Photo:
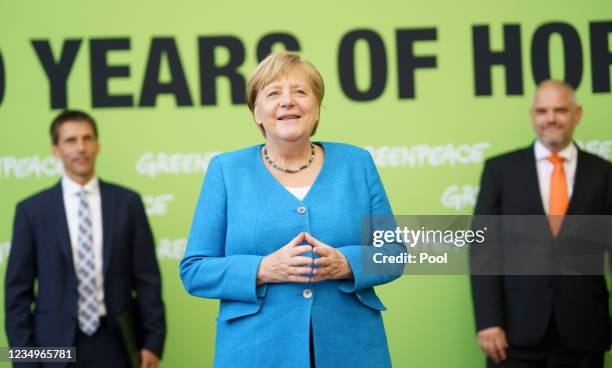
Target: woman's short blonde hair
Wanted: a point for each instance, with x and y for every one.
(275, 66)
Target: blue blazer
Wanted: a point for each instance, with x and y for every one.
(41, 250)
(244, 214)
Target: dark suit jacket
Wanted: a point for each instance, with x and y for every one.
(527, 283)
(41, 250)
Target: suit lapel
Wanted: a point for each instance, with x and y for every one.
(532, 183)
(108, 215)
(533, 193)
(63, 234)
(579, 183)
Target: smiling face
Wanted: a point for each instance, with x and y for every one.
(77, 147)
(287, 108)
(554, 115)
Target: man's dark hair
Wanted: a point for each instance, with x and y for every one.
(70, 115)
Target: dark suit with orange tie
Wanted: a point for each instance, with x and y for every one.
(542, 307)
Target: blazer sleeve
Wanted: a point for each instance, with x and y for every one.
(19, 282)
(485, 259)
(206, 271)
(366, 273)
(147, 281)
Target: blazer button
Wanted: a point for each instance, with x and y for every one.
(301, 210)
(307, 293)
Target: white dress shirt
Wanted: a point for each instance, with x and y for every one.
(545, 169)
(298, 192)
(71, 189)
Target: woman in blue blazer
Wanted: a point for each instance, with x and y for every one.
(277, 237)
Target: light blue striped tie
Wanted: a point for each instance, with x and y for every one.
(89, 320)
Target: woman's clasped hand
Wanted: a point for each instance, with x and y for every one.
(291, 263)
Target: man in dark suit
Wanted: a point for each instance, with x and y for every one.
(528, 311)
(89, 246)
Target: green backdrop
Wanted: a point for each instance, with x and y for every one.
(429, 148)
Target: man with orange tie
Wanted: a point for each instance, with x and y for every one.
(539, 316)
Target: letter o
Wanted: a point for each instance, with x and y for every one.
(378, 65)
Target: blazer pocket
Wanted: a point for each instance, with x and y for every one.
(369, 298)
(511, 283)
(231, 309)
(600, 290)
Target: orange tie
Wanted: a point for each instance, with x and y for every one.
(559, 197)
